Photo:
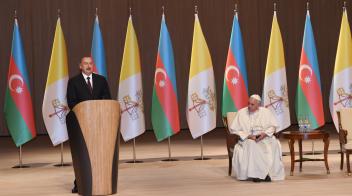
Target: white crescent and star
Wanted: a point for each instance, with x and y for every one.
(234, 80)
(307, 79)
(18, 89)
(162, 81)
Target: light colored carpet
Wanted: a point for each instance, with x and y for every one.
(154, 177)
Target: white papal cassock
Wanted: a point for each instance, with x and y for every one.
(253, 159)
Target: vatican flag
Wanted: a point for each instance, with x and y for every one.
(341, 86)
(275, 95)
(201, 99)
(54, 107)
(130, 93)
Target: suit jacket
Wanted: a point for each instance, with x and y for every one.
(78, 90)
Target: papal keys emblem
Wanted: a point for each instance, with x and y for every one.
(344, 98)
(199, 103)
(276, 101)
(132, 106)
(60, 110)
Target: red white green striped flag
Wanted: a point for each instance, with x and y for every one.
(309, 100)
(18, 102)
(235, 90)
(165, 115)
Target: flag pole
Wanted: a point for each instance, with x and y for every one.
(201, 147)
(201, 137)
(20, 164)
(134, 150)
(62, 153)
(62, 164)
(134, 153)
(201, 150)
(169, 147)
(307, 5)
(20, 157)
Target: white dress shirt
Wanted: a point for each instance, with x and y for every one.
(90, 78)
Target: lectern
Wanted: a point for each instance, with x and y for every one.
(94, 141)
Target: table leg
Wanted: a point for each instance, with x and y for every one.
(326, 148)
(291, 143)
(300, 155)
(348, 163)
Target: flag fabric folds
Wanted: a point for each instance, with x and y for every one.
(275, 95)
(235, 88)
(201, 99)
(130, 94)
(18, 107)
(341, 86)
(165, 114)
(54, 108)
(309, 100)
(97, 50)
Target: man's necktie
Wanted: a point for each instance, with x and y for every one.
(89, 85)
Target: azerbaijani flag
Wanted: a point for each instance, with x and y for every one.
(55, 107)
(340, 91)
(18, 108)
(130, 93)
(235, 90)
(165, 115)
(201, 99)
(275, 95)
(309, 100)
(98, 51)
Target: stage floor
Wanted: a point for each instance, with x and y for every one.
(155, 177)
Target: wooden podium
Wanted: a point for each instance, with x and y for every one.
(94, 140)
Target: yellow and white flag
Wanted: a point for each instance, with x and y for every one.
(201, 99)
(130, 93)
(341, 86)
(54, 107)
(275, 95)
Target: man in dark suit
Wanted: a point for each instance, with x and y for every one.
(86, 86)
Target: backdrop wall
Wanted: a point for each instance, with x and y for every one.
(37, 20)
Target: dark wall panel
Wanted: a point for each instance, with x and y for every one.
(37, 19)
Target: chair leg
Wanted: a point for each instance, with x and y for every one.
(348, 163)
(230, 166)
(342, 161)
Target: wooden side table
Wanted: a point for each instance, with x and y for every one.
(297, 135)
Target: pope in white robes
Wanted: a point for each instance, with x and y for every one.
(257, 155)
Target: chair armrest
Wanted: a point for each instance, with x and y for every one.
(343, 136)
(277, 134)
(224, 121)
